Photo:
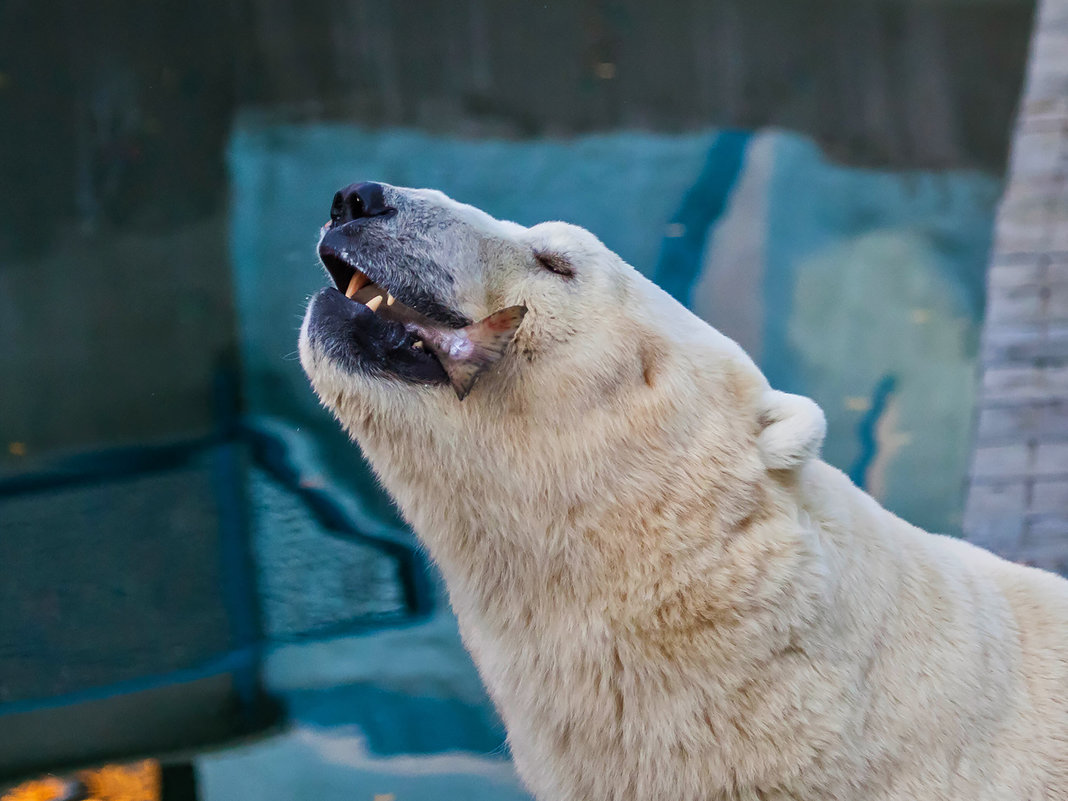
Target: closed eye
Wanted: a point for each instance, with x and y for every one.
(554, 262)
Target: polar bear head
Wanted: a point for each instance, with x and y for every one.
(603, 368)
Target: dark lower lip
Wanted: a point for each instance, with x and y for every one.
(360, 340)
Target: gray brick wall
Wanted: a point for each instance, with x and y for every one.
(1017, 502)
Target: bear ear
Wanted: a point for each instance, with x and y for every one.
(792, 430)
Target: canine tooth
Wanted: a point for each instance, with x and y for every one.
(374, 303)
(356, 283)
(390, 300)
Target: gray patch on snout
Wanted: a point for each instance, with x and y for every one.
(409, 266)
(429, 256)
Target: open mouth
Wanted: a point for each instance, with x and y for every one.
(371, 329)
(363, 324)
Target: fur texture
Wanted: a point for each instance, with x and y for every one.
(665, 591)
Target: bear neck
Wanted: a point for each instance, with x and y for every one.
(595, 561)
(617, 511)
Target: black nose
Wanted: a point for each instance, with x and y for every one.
(358, 200)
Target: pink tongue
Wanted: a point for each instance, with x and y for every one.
(478, 347)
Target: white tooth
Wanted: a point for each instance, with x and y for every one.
(390, 300)
(374, 303)
(356, 283)
(418, 345)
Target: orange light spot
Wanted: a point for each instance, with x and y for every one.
(47, 789)
(141, 781)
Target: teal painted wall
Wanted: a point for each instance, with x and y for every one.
(832, 277)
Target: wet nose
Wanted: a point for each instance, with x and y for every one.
(358, 200)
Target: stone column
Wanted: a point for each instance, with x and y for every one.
(1017, 502)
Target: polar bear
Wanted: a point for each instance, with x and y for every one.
(666, 592)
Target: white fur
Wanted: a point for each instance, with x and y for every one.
(795, 430)
(668, 595)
